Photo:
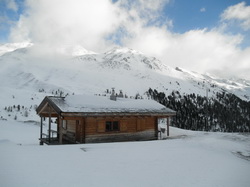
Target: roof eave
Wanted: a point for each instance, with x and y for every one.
(100, 114)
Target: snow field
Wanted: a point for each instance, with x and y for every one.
(187, 158)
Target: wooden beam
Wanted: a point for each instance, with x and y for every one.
(41, 132)
(84, 130)
(114, 114)
(49, 124)
(72, 117)
(53, 115)
(41, 110)
(168, 126)
(60, 122)
(57, 127)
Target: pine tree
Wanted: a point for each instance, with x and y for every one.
(26, 113)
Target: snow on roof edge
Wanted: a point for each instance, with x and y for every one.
(102, 104)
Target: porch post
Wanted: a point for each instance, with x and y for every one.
(156, 128)
(60, 130)
(84, 130)
(49, 124)
(41, 131)
(168, 126)
(57, 127)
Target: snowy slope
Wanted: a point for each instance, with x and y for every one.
(9, 47)
(115, 68)
(32, 72)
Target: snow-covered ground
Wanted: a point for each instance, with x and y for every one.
(187, 158)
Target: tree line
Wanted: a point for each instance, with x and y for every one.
(225, 112)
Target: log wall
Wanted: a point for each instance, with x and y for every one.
(93, 129)
(130, 129)
(71, 126)
(120, 137)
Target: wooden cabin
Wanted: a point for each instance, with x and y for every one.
(95, 119)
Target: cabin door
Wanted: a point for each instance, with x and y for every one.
(78, 131)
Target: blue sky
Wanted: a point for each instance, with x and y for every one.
(8, 17)
(210, 35)
(198, 14)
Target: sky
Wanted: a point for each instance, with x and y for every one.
(199, 35)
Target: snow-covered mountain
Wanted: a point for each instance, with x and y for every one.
(29, 73)
(9, 47)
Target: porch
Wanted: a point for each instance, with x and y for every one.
(53, 139)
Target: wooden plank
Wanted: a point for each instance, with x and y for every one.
(101, 127)
(54, 115)
(132, 124)
(72, 118)
(156, 126)
(41, 131)
(71, 125)
(149, 123)
(90, 125)
(49, 123)
(118, 137)
(168, 126)
(42, 108)
(140, 124)
(115, 114)
(84, 129)
(70, 137)
(123, 125)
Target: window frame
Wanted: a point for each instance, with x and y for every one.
(112, 126)
(64, 124)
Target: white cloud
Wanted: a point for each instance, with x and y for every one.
(100, 25)
(11, 4)
(240, 12)
(88, 22)
(20, 32)
(67, 22)
(198, 50)
(203, 9)
(147, 12)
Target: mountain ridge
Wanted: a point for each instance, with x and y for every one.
(27, 75)
(117, 61)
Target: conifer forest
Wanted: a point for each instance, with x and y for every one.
(224, 112)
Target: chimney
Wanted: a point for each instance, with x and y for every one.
(113, 96)
(120, 94)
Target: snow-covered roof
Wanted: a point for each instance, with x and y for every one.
(101, 104)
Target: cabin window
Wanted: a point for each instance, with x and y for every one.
(112, 126)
